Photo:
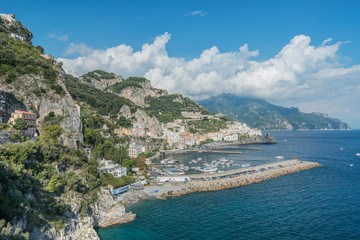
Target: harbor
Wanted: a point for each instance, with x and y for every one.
(177, 185)
(232, 178)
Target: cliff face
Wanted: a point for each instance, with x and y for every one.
(21, 96)
(137, 95)
(108, 212)
(103, 213)
(100, 79)
(151, 123)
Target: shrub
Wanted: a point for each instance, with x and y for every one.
(4, 126)
(54, 131)
(11, 77)
(20, 124)
(50, 116)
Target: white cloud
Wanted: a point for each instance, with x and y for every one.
(63, 38)
(80, 48)
(299, 73)
(196, 13)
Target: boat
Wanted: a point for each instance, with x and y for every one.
(245, 165)
(279, 157)
(351, 165)
(358, 154)
(223, 160)
(209, 169)
(341, 149)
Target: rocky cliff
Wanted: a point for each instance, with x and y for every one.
(34, 82)
(100, 79)
(104, 212)
(22, 95)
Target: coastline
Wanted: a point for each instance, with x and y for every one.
(268, 139)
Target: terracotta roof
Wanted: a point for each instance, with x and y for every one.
(25, 112)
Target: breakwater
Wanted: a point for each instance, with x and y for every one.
(240, 177)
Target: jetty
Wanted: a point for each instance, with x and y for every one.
(230, 179)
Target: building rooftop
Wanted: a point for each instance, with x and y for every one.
(21, 111)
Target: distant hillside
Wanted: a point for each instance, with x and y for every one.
(137, 91)
(261, 114)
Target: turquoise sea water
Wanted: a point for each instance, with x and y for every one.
(320, 203)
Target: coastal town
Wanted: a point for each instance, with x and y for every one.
(77, 150)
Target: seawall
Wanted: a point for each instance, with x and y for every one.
(263, 173)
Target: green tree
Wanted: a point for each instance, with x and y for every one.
(20, 124)
(52, 186)
(54, 131)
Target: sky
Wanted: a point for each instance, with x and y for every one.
(291, 53)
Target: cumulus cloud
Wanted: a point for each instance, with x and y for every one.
(196, 13)
(300, 72)
(63, 38)
(80, 48)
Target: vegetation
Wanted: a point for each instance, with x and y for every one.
(122, 181)
(20, 124)
(103, 102)
(129, 82)
(18, 58)
(4, 126)
(98, 75)
(205, 126)
(167, 108)
(32, 174)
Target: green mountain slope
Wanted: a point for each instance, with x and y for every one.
(261, 114)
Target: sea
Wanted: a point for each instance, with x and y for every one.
(319, 203)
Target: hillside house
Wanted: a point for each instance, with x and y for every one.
(30, 119)
(108, 166)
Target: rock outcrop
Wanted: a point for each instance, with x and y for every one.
(105, 212)
(133, 197)
(99, 82)
(108, 212)
(137, 95)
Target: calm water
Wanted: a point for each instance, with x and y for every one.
(320, 203)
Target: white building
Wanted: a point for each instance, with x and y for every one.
(108, 166)
(231, 138)
(173, 179)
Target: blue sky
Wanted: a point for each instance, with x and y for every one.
(84, 33)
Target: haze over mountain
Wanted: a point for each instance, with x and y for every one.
(261, 114)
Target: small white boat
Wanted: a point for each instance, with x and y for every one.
(245, 165)
(209, 169)
(358, 154)
(351, 165)
(341, 149)
(279, 157)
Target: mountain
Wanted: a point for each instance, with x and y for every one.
(261, 114)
